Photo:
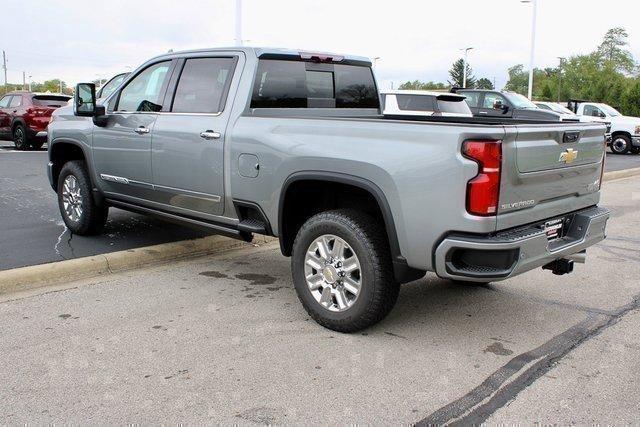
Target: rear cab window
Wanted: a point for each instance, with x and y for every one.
(416, 102)
(453, 105)
(284, 83)
(50, 100)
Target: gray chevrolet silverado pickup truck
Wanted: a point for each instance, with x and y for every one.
(294, 145)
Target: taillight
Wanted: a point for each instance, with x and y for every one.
(483, 190)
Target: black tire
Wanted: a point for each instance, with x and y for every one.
(635, 150)
(37, 145)
(20, 138)
(620, 144)
(92, 218)
(368, 239)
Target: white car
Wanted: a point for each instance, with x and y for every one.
(625, 130)
(424, 103)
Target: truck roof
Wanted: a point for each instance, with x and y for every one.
(271, 52)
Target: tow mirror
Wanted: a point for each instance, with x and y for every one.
(84, 100)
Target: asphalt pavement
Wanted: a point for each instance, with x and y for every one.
(223, 339)
(32, 231)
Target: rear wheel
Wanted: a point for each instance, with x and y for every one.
(20, 139)
(620, 144)
(37, 145)
(342, 270)
(635, 150)
(75, 199)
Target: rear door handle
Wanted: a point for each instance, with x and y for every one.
(209, 134)
(483, 112)
(141, 130)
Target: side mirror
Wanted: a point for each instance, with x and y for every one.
(84, 100)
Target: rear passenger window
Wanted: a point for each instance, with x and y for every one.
(4, 102)
(203, 85)
(290, 84)
(16, 101)
(473, 99)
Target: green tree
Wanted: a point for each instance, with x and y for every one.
(418, 85)
(457, 74)
(484, 83)
(613, 50)
(630, 104)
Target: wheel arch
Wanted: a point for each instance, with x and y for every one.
(62, 151)
(403, 273)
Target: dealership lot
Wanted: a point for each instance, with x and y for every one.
(223, 339)
(32, 231)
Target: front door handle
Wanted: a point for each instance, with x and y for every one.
(209, 134)
(141, 130)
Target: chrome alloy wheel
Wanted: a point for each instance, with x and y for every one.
(333, 273)
(72, 198)
(619, 145)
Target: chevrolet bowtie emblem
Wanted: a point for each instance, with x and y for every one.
(568, 156)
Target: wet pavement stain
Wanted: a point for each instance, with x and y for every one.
(214, 273)
(64, 316)
(159, 327)
(498, 349)
(257, 279)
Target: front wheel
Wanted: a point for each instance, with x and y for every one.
(342, 270)
(620, 144)
(78, 208)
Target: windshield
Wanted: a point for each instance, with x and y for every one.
(609, 110)
(519, 101)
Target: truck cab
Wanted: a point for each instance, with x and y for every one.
(505, 104)
(624, 130)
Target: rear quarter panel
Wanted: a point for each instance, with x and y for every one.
(418, 166)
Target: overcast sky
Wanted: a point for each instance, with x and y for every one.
(81, 40)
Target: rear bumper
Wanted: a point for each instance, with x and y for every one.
(507, 254)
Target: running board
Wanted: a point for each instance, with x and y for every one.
(252, 226)
(220, 228)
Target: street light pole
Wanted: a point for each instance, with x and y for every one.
(464, 67)
(534, 13)
(238, 22)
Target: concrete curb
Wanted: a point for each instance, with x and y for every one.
(55, 273)
(625, 173)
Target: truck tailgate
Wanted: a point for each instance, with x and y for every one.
(549, 170)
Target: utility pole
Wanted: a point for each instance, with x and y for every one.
(24, 80)
(4, 67)
(238, 22)
(464, 67)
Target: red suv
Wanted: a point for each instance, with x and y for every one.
(24, 117)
